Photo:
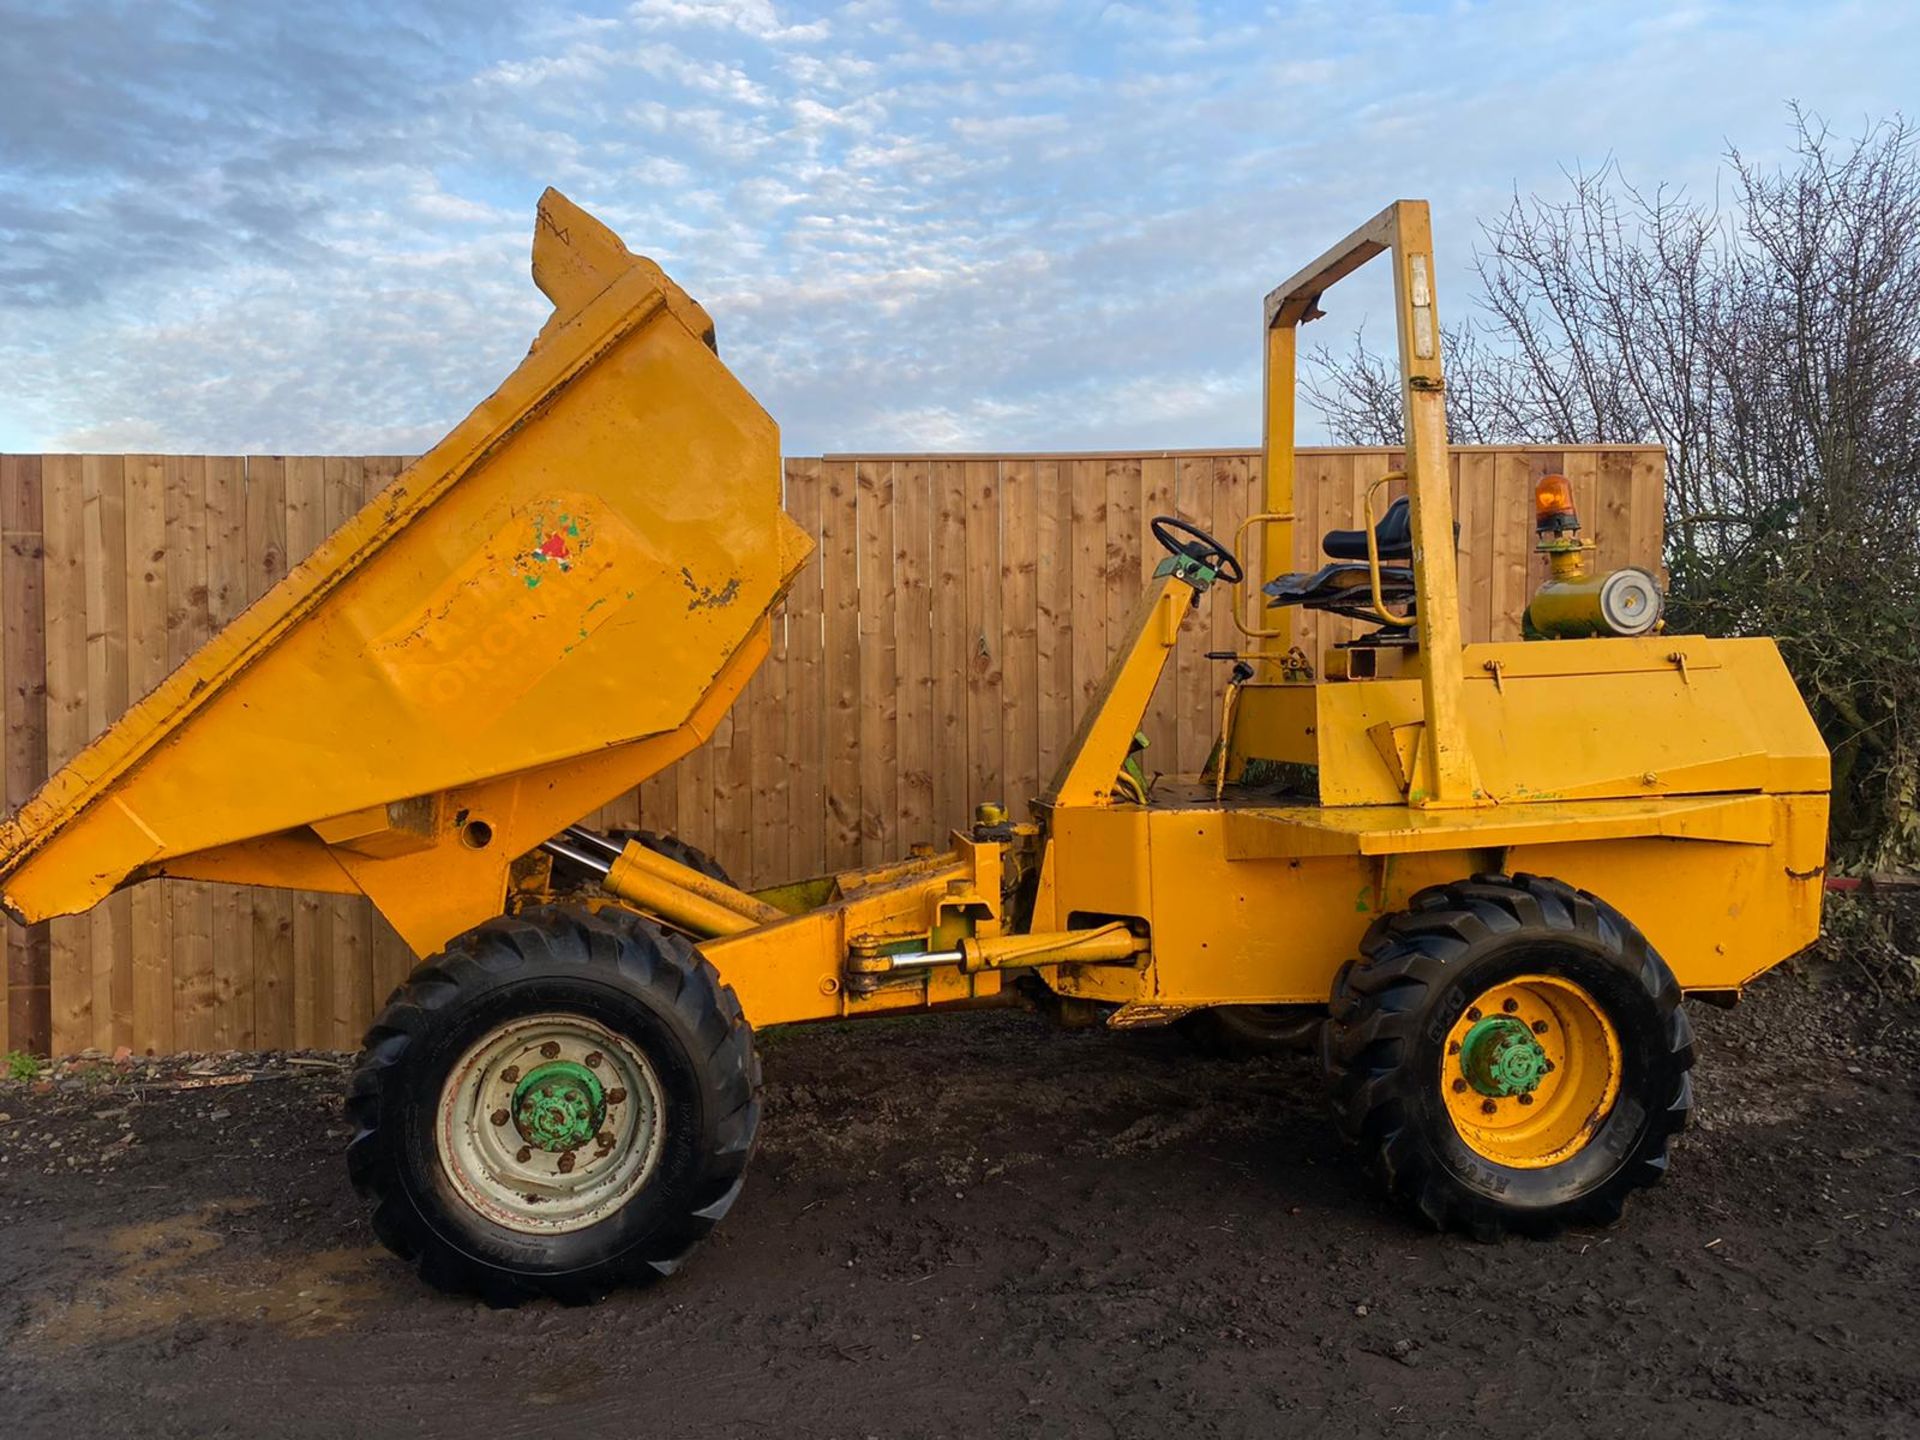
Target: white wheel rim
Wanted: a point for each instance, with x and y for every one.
(514, 1116)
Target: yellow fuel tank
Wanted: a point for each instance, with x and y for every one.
(555, 602)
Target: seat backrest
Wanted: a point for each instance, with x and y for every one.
(1393, 535)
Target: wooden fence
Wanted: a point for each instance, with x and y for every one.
(934, 655)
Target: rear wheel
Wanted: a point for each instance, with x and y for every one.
(561, 1102)
(1510, 1054)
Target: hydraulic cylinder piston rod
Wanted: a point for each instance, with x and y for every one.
(697, 903)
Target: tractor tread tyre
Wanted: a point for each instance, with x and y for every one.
(648, 983)
(1418, 969)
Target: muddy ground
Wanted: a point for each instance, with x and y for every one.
(981, 1226)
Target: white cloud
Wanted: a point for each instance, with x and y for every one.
(757, 18)
(970, 223)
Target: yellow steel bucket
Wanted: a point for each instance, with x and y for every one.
(554, 603)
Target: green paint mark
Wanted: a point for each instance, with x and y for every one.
(533, 582)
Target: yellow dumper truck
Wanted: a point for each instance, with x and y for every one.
(1477, 878)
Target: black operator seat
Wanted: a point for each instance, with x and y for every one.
(1345, 587)
(1393, 535)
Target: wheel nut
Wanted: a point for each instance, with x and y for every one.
(500, 1117)
(509, 1075)
(593, 1060)
(524, 1154)
(1526, 1099)
(1487, 1107)
(1459, 1086)
(1453, 1047)
(550, 1049)
(566, 1163)
(1539, 1027)
(616, 1096)
(1509, 1005)
(1546, 1067)
(1473, 1012)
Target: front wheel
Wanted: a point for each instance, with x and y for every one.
(1510, 1054)
(561, 1102)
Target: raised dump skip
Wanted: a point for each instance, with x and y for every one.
(554, 603)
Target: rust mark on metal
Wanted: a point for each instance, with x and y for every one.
(705, 597)
(553, 227)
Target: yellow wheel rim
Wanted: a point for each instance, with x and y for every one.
(1530, 1071)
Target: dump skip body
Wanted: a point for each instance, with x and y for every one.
(554, 603)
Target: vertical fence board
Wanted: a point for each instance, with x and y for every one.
(65, 608)
(1053, 616)
(1087, 493)
(806, 678)
(879, 680)
(771, 770)
(1512, 539)
(23, 664)
(950, 760)
(1120, 563)
(840, 561)
(983, 765)
(104, 501)
(913, 641)
(1647, 487)
(693, 782)
(1019, 646)
(1598, 519)
(732, 826)
(1475, 516)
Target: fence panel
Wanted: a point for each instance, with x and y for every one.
(935, 653)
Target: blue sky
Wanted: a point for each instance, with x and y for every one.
(962, 224)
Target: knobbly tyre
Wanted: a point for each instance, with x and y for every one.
(1478, 878)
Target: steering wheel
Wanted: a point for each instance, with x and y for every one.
(1198, 546)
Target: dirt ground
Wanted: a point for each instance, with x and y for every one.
(980, 1225)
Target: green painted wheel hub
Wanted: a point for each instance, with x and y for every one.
(1500, 1057)
(559, 1106)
